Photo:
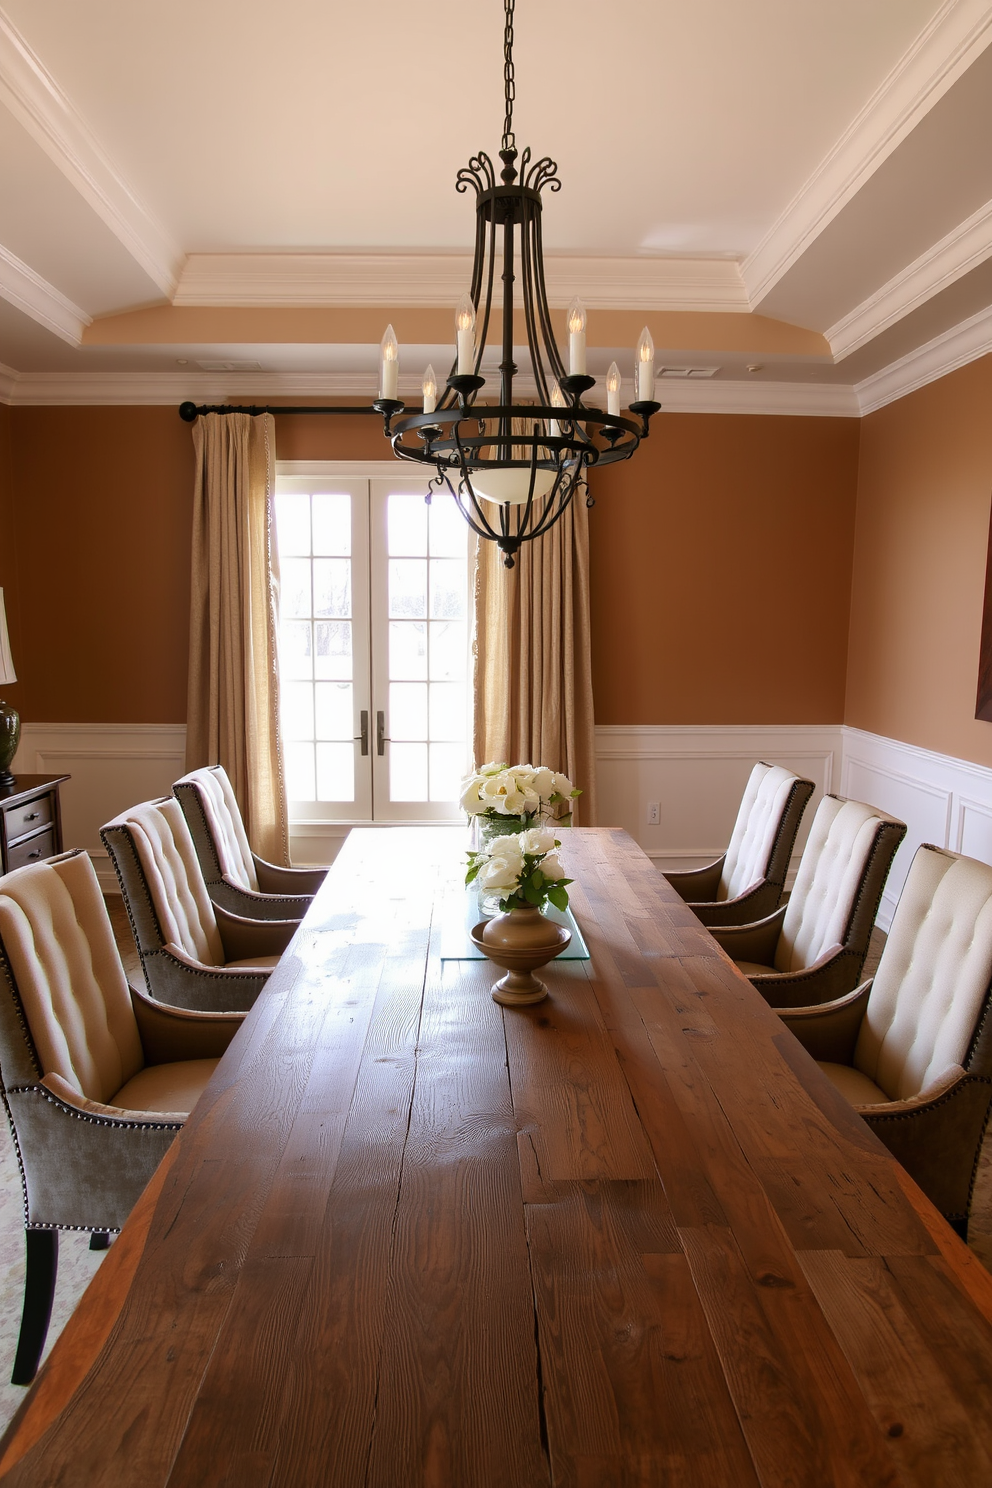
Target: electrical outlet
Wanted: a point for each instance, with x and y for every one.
(654, 814)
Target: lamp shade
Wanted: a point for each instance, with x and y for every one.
(7, 673)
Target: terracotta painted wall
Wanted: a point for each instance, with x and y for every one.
(721, 564)
(721, 567)
(101, 534)
(8, 565)
(919, 570)
(95, 519)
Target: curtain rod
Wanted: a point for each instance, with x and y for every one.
(189, 411)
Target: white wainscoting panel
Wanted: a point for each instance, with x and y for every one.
(697, 776)
(942, 800)
(112, 765)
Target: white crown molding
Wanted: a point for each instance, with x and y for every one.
(962, 250)
(433, 280)
(796, 399)
(8, 381)
(23, 288)
(35, 99)
(800, 399)
(945, 353)
(944, 49)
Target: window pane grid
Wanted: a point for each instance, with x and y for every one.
(427, 601)
(315, 644)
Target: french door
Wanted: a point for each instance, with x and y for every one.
(373, 645)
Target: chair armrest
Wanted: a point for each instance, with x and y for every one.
(177, 980)
(86, 1167)
(243, 937)
(65, 1095)
(831, 976)
(937, 1137)
(699, 884)
(169, 1034)
(830, 1030)
(275, 880)
(754, 942)
(755, 904)
(250, 904)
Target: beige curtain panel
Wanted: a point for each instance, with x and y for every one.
(533, 668)
(233, 709)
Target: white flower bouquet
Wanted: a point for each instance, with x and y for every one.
(524, 870)
(515, 796)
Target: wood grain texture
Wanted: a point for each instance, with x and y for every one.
(628, 1236)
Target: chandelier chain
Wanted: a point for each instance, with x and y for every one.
(509, 81)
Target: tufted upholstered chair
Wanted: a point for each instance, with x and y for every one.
(747, 882)
(235, 877)
(812, 949)
(194, 954)
(912, 1049)
(96, 1079)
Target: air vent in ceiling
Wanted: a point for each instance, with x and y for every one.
(230, 366)
(687, 371)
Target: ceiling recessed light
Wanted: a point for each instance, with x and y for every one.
(182, 362)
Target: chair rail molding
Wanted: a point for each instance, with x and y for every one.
(696, 775)
(112, 765)
(941, 799)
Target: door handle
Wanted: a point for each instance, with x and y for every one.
(364, 727)
(380, 733)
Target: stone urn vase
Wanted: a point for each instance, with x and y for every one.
(520, 941)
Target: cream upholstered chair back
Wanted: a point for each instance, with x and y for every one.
(60, 945)
(933, 978)
(841, 840)
(227, 829)
(178, 893)
(758, 823)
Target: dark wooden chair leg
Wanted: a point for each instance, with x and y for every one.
(99, 1240)
(39, 1289)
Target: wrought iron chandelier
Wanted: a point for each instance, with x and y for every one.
(513, 468)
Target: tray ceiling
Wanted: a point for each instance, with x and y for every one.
(826, 167)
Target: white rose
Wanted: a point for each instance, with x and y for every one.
(500, 793)
(537, 840)
(469, 799)
(544, 783)
(563, 786)
(491, 769)
(506, 847)
(551, 867)
(499, 873)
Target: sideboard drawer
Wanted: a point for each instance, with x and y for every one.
(31, 850)
(27, 817)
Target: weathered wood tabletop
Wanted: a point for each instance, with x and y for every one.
(628, 1236)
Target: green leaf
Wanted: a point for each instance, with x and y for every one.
(532, 895)
(557, 895)
(472, 873)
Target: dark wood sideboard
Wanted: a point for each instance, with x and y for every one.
(30, 820)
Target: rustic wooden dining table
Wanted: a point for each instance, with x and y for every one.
(627, 1236)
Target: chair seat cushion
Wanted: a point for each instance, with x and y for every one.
(754, 968)
(854, 1086)
(253, 963)
(166, 1087)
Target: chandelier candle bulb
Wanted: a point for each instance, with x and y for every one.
(613, 391)
(389, 367)
(645, 367)
(465, 335)
(430, 390)
(577, 339)
(557, 401)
